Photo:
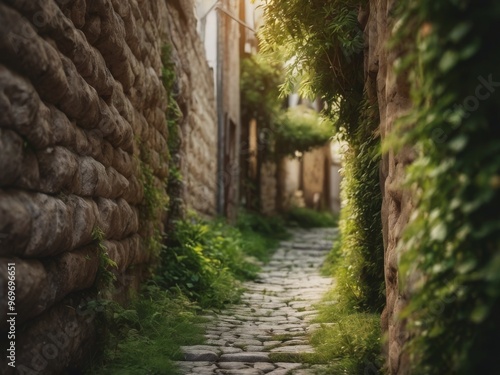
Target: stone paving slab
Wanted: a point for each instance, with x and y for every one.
(273, 318)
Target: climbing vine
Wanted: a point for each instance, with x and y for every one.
(453, 241)
(173, 116)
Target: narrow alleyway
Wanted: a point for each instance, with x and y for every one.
(267, 333)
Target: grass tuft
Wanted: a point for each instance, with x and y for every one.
(348, 340)
(145, 337)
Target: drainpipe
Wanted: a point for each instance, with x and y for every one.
(220, 114)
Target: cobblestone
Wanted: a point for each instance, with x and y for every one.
(273, 318)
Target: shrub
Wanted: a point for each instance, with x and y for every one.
(260, 235)
(266, 226)
(309, 218)
(205, 260)
(300, 129)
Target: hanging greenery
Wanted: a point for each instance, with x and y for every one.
(259, 83)
(287, 131)
(321, 43)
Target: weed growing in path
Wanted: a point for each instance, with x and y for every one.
(348, 340)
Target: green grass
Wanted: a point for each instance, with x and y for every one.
(260, 235)
(308, 218)
(347, 342)
(350, 343)
(145, 337)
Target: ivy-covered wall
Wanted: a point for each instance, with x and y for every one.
(452, 243)
(433, 73)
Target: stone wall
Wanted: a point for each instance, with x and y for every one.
(268, 188)
(392, 93)
(195, 95)
(231, 106)
(292, 182)
(84, 158)
(316, 175)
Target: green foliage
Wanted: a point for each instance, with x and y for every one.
(308, 218)
(348, 340)
(297, 129)
(145, 337)
(272, 226)
(206, 259)
(358, 258)
(259, 82)
(322, 45)
(300, 129)
(155, 201)
(105, 275)
(453, 239)
(260, 235)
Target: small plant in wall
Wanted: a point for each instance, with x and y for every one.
(105, 275)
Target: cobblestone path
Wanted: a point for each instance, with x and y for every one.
(270, 326)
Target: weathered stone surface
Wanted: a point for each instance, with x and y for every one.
(200, 355)
(392, 94)
(247, 371)
(60, 338)
(245, 357)
(293, 349)
(11, 149)
(265, 367)
(232, 365)
(197, 103)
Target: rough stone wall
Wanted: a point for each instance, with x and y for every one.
(291, 181)
(83, 143)
(195, 95)
(231, 106)
(314, 176)
(393, 98)
(268, 188)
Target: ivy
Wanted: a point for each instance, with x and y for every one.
(453, 239)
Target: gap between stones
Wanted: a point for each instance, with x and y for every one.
(267, 333)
